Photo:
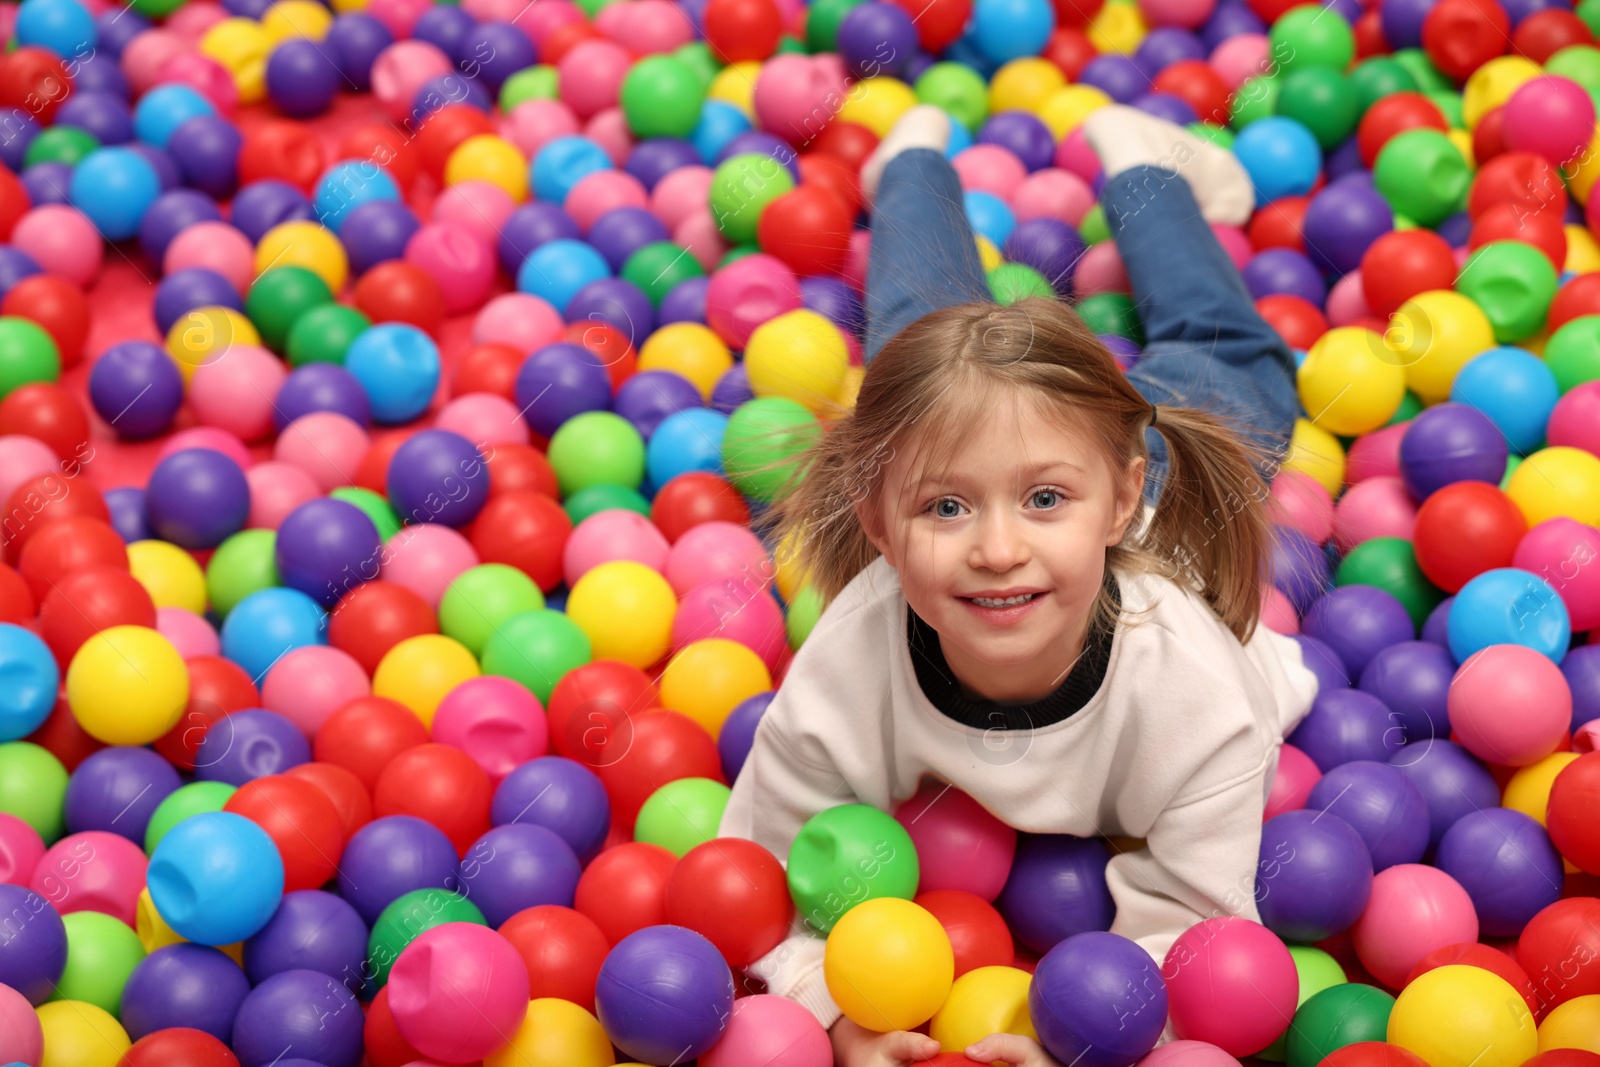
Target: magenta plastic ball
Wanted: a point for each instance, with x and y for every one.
(21, 1037)
(1292, 783)
(1510, 676)
(617, 534)
(748, 292)
(21, 848)
(276, 489)
(1575, 421)
(92, 871)
(1414, 910)
(457, 991)
(324, 444)
(497, 722)
(1374, 507)
(461, 260)
(1188, 1054)
(426, 559)
(1552, 117)
(960, 845)
(190, 634)
(308, 684)
(486, 419)
(716, 550)
(731, 609)
(769, 1031)
(1231, 982)
(1554, 550)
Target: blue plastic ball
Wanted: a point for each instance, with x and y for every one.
(163, 109)
(62, 26)
(686, 441)
(29, 679)
(216, 878)
(1011, 29)
(1515, 389)
(1281, 156)
(556, 270)
(1509, 606)
(114, 187)
(989, 216)
(398, 366)
(268, 623)
(346, 186)
(562, 163)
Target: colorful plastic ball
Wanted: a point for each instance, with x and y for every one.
(1369, 385)
(1514, 389)
(390, 857)
(419, 672)
(1451, 443)
(1314, 877)
(1506, 863)
(888, 964)
(1513, 283)
(1459, 1014)
(1509, 606)
(555, 1031)
(20, 849)
(440, 784)
(101, 952)
(772, 1032)
(1281, 156)
(1551, 117)
(495, 721)
(1550, 550)
(21, 1038)
(1230, 982)
(1557, 950)
(836, 845)
(562, 950)
(1514, 676)
(663, 990)
(32, 678)
(1557, 481)
(36, 955)
(127, 685)
(80, 1033)
(398, 366)
(117, 790)
(266, 624)
(438, 476)
(33, 789)
(457, 990)
(216, 878)
(1078, 1017)
(136, 389)
(311, 930)
(114, 187)
(197, 498)
(1414, 910)
(299, 1013)
(179, 1046)
(301, 821)
(1381, 804)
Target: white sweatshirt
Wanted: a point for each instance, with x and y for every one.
(1178, 747)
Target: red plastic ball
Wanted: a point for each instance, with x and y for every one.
(847, 141)
(1464, 529)
(807, 228)
(1570, 817)
(374, 617)
(694, 497)
(44, 499)
(978, 934)
(55, 304)
(525, 530)
(384, 145)
(301, 821)
(1462, 35)
(603, 694)
(64, 738)
(35, 81)
(667, 746)
(1372, 1054)
(1197, 84)
(14, 204)
(46, 411)
(83, 604)
(950, 1059)
(610, 345)
(1475, 954)
(1544, 33)
(397, 291)
(1369, 35)
(444, 131)
(565, 39)
(1280, 224)
(1560, 950)
(1401, 264)
(1394, 115)
(344, 791)
(381, 1039)
(179, 1047)
(1077, 13)
(285, 151)
(440, 784)
(1297, 320)
(820, 170)
(66, 547)
(735, 894)
(373, 471)
(1564, 1057)
(938, 22)
(217, 687)
(1543, 230)
(625, 889)
(366, 735)
(740, 30)
(17, 604)
(521, 467)
(1579, 297)
(1489, 137)
(490, 368)
(1070, 49)
(1521, 179)
(563, 950)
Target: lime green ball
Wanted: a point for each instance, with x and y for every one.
(1589, 12)
(323, 334)
(60, 144)
(1094, 228)
(196, 798)
(245, 563)
(1010, 282)
(1580, 62)
(33, 787)
(662, 97)
(1410, 407)
(531, 83)
(375, 507)
(1317, 971)
(408, 918)
(536, 648)
(1513, 283)
(657, 268)
(1311, 36)
(847, 854)
(1321, 100)
(1378, 77)
(483, 597)
(1429, 78)
(1573, 352)
(741, 189)
(279, 297)
(1256, 99)
(1449, 105)
(762, 445)
(27, 354)
(1112, 313)
(1220, 136)
(1422, 175)
(1337, 1016)
(790, 45)
(802, 615)
(598, 498)
(594, 7)
(701, 59)
(822, 23)
(1513, 461)
(682, 814)
(958, 89)
(101, 953)
(597, 448)
(1390, 564)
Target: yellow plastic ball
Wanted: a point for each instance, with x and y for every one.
(1065, 109)
(1348, 384)
(304, 244)
(790, 574)
(851, 389)
(80, 1034)
(1557, 481)
(877, 103)
(989, 256)
(1583, 253)
(1434, 335)
(349, 7)
(799, 355)
(154, 932)
(1582, 172)
(205, 335)
(1528, 791)
(241, 46)
(1492, 85)
(707, 679)
(420, 671)
(487, 158)
(1575, 1024)
(888, 964)
(1317, 454)
(1024, 84)
(1117, 28)
(169, 574)
(127, 685)
(1459, 1016)
(626, 609)
(1463, 143)
(555, 1033)
(296, 18)
(736, 84)
(689, 350)
(984, 1001)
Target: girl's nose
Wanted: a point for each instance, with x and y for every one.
(998, 543)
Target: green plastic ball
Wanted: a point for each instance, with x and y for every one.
(1513, 461)
(741, 188)
(802, 616)
(1513, 283)
(790, 45)
(847, 854)
(1410, 407)
(196, 798)
(657, 268)
(101, 953)
(736, 253)
(1317, 971)
(682, 814)
(483, 597)
(1449, 105)
(1094, 228)
(1321, 100)
(155, 9)
(536, 648)
(531, 83)
(323, 334)
(1422, 175)
(598, 498)
(763, 442)
(408, 918)
(60, 144)
(1573, 352)
(1378, 77)
(958, 89)
(1390, 564)
(662, 97)
(1220, 136)
(1429, 78)
(1337, 1016)
(699, 57)
(245, 563)
(822, 23)
(597, 448)
(27, 354)
(1311, 36)
(375, 507)
(1589, 12)
(1112, 313)
(1011, 282)
(1580, 62)
(279, 297)
(594, 7)
(1256, 99)
(33, 787)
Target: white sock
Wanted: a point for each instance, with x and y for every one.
(923, 126)
(1125, 137)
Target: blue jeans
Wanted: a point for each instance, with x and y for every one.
(1205, 345)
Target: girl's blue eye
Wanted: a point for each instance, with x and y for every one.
(1046, 498)
(946, 509)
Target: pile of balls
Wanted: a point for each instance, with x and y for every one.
(386, 711)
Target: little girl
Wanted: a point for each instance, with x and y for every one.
(1007, 613)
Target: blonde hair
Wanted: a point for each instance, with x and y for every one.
(1209, 530)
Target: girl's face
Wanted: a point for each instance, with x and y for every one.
(1003, 552)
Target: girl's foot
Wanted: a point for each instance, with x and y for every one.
(924, 126)
(1125, 137)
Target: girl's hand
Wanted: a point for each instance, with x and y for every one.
(855, 1046)
(1012, 1049)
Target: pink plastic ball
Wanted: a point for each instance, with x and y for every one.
(1052, 193)
(215, 246)
(398, 16)
(458, 259)
(591, 76)
(205, 75)
(147, 53)
(275, 490)
(457, 991)
(92, 871)
(1100, 270)
(1561, 551)
(190, 634)
(1376, 507)
(1347, 304)
(1184, 13)
(1235, 243)
(603, 191)
(645, 27)
(1074, 156)
(1291, 785)
(308, 684)
(237, 392)
(1188, 1054)
(520, 320)
(1240, 58)
(748, 292)
(960, 844)
(1413, 910)
(1300, 501)
(1586, 738)
(326, 445)
(1550, 116)
(533, 124)
(479, 206)
(540, 20)
(680, 194)
(988, 168)
(21, 849)
(1231, 982)
(211, 437)
(613, 535)
(792, 90)
(1510, 676)
(22, 458)
(402, 69)
(702, 237)
(426, 559)
(730, 609)
(768, 1031)
(496, 721)
(715, 550)
(21, 1035)
(191, 21)
(1375, 455)
(62, 241)
(609, 129)
(1575, 422)
(1277, 612)
(485, 419)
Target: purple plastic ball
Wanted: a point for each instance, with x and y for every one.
(618, 234)
(618, 303)
(117, 789)
(261, 205)
(47, 183)
(449, 90)
(1380, 804)
(560, 795)
(560, 381)
(1284, 271)
(1345, 725)
(1402, 21)
(760, 143)
(106, 115)
(1299, 568)
(354, 41)
(732, 390)
(1097, 1000)
(1517, 10)
(1230, 19)
(650, 396)
(876, 38)
(1174, 109)
(530, 226)
(653, 159)
(664, 994)
(1050, 247)
(183, 291)
(15, 265)
(1342, 221)
(197, 498)
(494, 51)
(302, 78)
(1451, 780)
(1126, 352)
(1435, 630)
(445, 27)
(391, 856)
(299, 1013)
(1357, 622)
(177, 210)
(136, 389)
(247, 9)
(1166, 45)
(1345, 161)
(34, 951)
(738, 733)
(1022, 134)
(19, 129)
(126, 505)
(250, 744)
(1118, 76)
(115, 27)
(438, 476)
(1581, 667)
(1057, 888)
(687, 302)
(312, 930)
(1314, 878)
(321, 387)
(1506, 863)
(206, 149)
(1323, 661)
(184, 985)
(98, 72)
(1413, 679)
(835, 301)
(327, 547)
(517, 866)
(377, 232)
(1450, 443)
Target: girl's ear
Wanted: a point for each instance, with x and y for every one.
(1130, 495)
(869, 513)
